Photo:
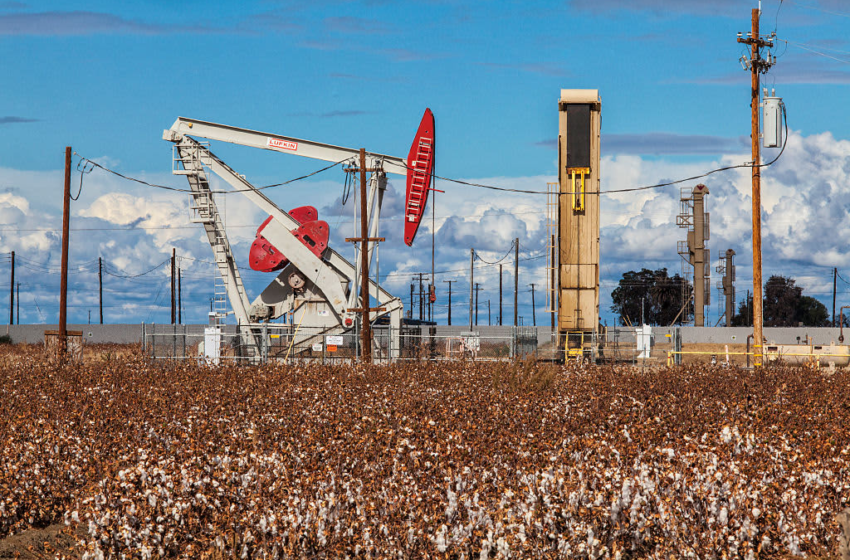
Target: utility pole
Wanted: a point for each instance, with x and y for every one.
(516, 280)
(100, 286)
(173, 289)
(179, 297)
(533, 310)
(365, 327)
(489, 316)
(757, 66)
(12, 293)
(18, 302)
(471, 283)
(63, 285)
(834, 288)
(450, 299)
(410, 311)
(477, 287)
(500, 295)
(430, 314)
(421, 301)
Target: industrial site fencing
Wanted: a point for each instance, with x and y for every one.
(274, 342)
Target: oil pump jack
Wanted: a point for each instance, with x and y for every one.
(314, 282)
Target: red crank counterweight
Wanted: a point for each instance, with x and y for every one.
(312, 232)
(420, 163)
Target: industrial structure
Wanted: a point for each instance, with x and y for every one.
(315, 285)
(577, 241)
(695, 220)
(726, 285)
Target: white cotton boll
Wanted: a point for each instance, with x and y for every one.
(152, 500)
(440, 539)
(726, 434)
(723, 518)
(756, 513)
(503, 548)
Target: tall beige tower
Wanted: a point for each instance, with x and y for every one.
(579, 112)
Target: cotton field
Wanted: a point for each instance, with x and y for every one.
(449, 460)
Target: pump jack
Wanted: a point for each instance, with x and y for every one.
(315, 284)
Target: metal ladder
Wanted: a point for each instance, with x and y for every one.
(417, 184)
(188, 160)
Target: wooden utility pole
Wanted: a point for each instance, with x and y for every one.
(63, 284)
(365, 327)
(12, 293)
(100, 286)
(500, 295)
(516, 280)
(421, 300)
(533, 309)
(449, 282)
(477, 287)
(489, 315)
(173, 286)
(757, 66)
(364, 239)
(18, 303)
(834, 289)
(179, 296)
(471, 283)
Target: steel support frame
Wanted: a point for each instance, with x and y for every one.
(328, 274)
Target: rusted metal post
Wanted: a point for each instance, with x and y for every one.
(63, 285)
(365, 328)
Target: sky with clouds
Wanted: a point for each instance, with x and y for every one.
(107, 78)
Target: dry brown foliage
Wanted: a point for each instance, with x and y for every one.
(445, 460)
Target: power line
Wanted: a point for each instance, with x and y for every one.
(817, 52)
(176, 189)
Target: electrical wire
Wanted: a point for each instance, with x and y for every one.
(106, 270)
(817, 52)
(819, 9)
(176, 189)
(477, 256)
(84, 170)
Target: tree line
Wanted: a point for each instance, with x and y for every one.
(656, 298)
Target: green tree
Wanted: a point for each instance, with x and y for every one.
(654, 292)
(812, 313)
(744, 317)
(784, 305)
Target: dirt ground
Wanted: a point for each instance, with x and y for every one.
(36, 544)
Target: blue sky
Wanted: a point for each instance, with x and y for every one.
(108, 77)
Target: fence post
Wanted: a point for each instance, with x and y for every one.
(153, 340)
(173, 341)
(265, 346)
(144, 338)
